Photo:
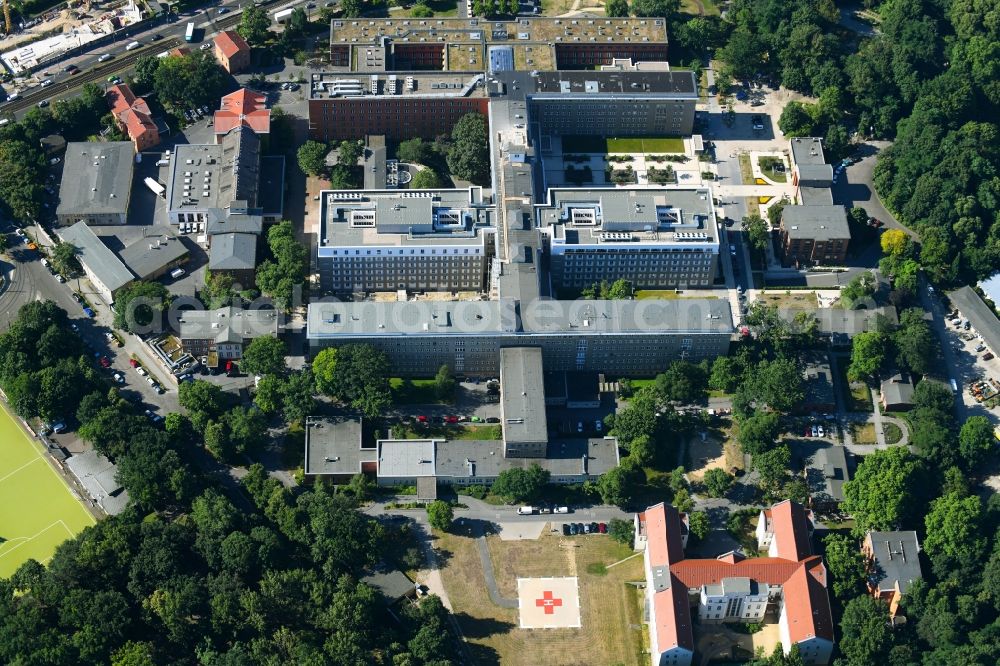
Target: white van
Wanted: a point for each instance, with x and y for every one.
(525, 510)
(177, 272)
(132, 46)
(104, 57)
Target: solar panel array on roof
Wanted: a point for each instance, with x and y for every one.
(501, 59)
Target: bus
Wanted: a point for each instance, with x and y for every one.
(189, 34)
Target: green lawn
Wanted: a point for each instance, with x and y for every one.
(37, 509)
(666, 144)
(746, 171)
(598, 144)
(414, 391)
(703, 8)
(767, 165)
(441, 8)
(664, 294)
(480, 432)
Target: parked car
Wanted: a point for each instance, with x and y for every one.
(565, 529)
(475, 419)
(451, 419)
(988, 356)
(579, 528)
(561, 509)
(105, 362)
(598, 425)
(815, 431)
(602, 528)
(579, 426)
(422, 419)
(586, 528)
(118, 378)
(141, 370)
(572, 529)
(88, 312)
(493, 419)
(594, 528)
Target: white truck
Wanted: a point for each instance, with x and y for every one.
(157, 189)
(526, 510)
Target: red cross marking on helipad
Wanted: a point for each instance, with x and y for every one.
(548, 602)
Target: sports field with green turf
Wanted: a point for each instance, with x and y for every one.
(37, 509)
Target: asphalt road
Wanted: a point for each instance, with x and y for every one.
(28, 280)
(167, 34)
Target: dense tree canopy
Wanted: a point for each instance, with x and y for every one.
(265, 355)
(469, 154)
(194, 79)
(883, 491)
(283, 273)
(356, 374)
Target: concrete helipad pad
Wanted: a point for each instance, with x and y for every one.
(548, 603)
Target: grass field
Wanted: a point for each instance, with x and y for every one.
(611, 631)
(632, 145)
(746, 171)
(665, 294)
(413, 391)
(667, 144)
(37, 509)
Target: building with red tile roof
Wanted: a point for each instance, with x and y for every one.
(232, 51)
(243, 108)
(734, 588)
(132, 115)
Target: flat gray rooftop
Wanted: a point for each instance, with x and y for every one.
(406, 458)
(95, 255)
(897, 557)
(633, 216)
(582, 317)
(522, 395)
(807, 150)
(403, 218)
(97, 178)
(816, 222)
(227, 324)
(371, 319)
(205, 176)
(151, 254)
(981, 316)
(564, 457)
(538, 317)
(398, 86)
(674, 84)
(333, 446)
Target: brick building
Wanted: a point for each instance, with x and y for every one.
(232, 51)
(132, 116)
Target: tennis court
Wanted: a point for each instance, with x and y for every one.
(37, 509)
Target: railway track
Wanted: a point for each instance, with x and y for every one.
(118, 65)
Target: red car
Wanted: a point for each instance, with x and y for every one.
(229, 366)
(602, 528)
(134, 363)
(451, 419)
(807, 432)
(422, 419)
(105, 362)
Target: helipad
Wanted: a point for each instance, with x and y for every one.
(548, 603)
